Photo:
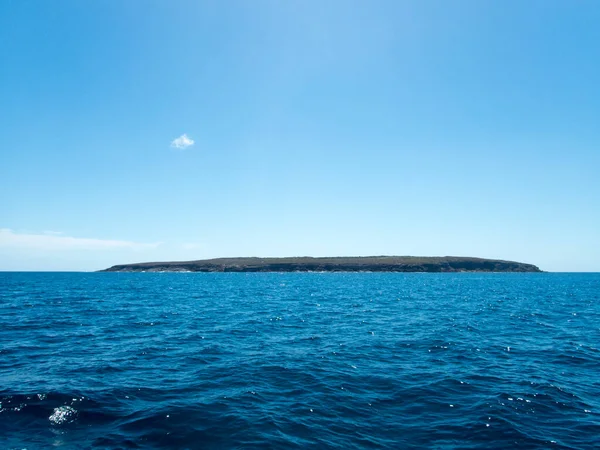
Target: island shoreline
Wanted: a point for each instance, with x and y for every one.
(356, 264)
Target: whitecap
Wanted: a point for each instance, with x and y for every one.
(63, 414)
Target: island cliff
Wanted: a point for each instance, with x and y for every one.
(333, 264)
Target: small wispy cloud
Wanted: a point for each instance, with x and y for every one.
(182, 142)
(191, 246)
(53, 233)
(11, 239)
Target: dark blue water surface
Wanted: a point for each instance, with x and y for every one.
(317, 360)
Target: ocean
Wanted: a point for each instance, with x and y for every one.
(299, 360)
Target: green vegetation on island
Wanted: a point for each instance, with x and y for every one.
(332, 264)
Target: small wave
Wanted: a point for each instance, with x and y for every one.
(63, 414)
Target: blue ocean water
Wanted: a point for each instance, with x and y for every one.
(292, 360)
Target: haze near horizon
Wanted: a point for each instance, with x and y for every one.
(159, 131)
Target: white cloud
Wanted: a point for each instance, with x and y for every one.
(10, 239)
(182, 142)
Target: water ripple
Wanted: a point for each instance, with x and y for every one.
(332, 361)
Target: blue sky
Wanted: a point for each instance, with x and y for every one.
(466, 128)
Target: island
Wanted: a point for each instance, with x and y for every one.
(332, 264)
